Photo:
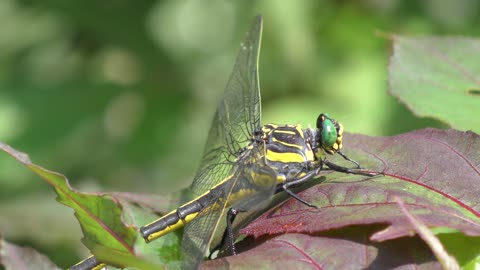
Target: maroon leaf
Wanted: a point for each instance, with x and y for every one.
(435, 172)
(445, 259)
(344, 249)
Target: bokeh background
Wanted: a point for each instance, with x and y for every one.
(118, 95)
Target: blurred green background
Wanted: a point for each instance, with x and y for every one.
(118, 95)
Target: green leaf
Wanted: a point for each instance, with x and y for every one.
(438, 77)
(99, 215)
(13, 257)
(110, 220)
(117, 257)
(466, 249)
(166, 250)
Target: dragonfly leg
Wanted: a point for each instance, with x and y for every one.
(293, 195)
(308, 176)
(349, 159)
(339, 168)
(231, 215)
(228, 236)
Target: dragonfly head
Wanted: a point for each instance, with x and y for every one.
(330, 133)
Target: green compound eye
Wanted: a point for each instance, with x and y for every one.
(329, 133)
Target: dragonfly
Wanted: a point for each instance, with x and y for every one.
(244, 163)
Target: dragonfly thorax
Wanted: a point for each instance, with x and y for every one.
(291, 150)
(288, 149)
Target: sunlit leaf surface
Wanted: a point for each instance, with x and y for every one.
(438, 77)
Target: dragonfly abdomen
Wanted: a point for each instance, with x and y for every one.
(172, 221)
(177, 218)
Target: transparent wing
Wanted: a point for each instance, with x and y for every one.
(199, 232)
(237, 116)
(249, 174)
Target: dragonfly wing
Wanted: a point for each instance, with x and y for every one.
(256, 176)
(252, 182)
(237, 116)
(199, 232)
(240, 107)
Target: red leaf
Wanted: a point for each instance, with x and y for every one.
(435, 172)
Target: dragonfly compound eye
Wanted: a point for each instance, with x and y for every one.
(330, 138)
(329, 133)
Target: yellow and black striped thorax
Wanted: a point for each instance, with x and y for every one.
(288, 149)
